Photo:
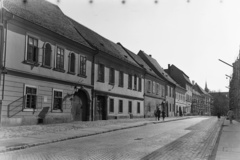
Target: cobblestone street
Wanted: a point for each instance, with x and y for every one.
(183, 139)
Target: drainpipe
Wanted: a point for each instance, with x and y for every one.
(6, 17)
(93, 84)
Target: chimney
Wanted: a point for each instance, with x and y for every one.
(193, 82)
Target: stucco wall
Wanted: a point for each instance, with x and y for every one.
(12, 104)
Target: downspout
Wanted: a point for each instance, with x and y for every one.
(6, 18)
(93, 84)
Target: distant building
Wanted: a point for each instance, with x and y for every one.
(169, 105)
(180, 100)
(205, 109)
(183, 80)
(197, 102)
(154, 91)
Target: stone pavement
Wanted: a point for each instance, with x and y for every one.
(229, 143)
(197, 144)
(20, 137)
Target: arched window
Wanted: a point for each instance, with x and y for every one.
(47, 55)
(72, 63)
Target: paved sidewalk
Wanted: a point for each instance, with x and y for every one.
(20, 137)
(229, 144)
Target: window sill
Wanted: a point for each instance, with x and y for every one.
(57, 110)
(129, 88)
(111, 83)
(120, 86)
(72, 73)
(31, 63)
(100, 81)
(44, 66)
(59, 70)
(28, 110)
(83, 76)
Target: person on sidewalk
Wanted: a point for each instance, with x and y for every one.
(230, 115)
(218, 115)
(163, 115)
(158, 114)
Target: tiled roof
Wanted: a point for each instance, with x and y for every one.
(44, 14)
(159, 68)
(187, 79)
(202, 90)
(140, 61)
(102, 44)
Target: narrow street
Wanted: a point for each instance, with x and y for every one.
(182, 139)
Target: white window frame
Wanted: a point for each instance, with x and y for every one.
(58, 90)
(70, 62)
(55, 56)
(43, 54)
(25, 101)
(26, 45)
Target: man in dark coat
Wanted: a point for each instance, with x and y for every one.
(163, 114)
(158, 113)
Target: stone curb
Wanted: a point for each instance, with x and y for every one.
(216, 136)
(7, 149)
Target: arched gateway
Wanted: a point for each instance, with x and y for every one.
(81, 106)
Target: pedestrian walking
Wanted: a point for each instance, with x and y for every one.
(158, 114)
(218, 115)
(230, 115)
(163, 115)
(155, 113)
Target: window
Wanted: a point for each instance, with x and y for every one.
(32, 50)
(60, 59)
(120, 107)
(149, 86)
(47, 55)
(111, 107)
(111, 76)
(138, 107)
(129, 81)
(163, 91)
(167, 90)
(139, 84)
(170, 107)
(82, 65)
(135, 82)
(120, 79)
(57, 102)
(157, 88)
(31, 97)
(72, 63)
(130, 107)
(154, 87)
(101, 72)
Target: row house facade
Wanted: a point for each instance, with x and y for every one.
(197, 103)
(118, 79)
(180, 100)
(205, 101)
(45, 66)
(234, 89)
(183, 80)
(170, 85)
(55, 70)
(154, 87)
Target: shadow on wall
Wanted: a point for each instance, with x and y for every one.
(15, 107)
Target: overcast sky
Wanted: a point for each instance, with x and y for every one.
(192, 36)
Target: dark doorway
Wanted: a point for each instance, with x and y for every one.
(80, 108)
(100, 110)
